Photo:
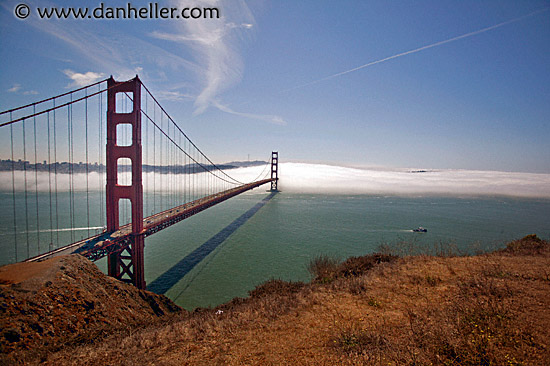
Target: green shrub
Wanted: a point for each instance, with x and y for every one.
(323, 268)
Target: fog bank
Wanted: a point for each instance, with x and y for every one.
(320, 178)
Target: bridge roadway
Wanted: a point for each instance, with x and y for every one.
(100, 245)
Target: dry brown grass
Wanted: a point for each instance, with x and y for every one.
(375, 310)
(323, 268)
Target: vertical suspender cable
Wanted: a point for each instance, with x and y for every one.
(179, 176)
(100, 160)
(176, 167)
(36, 181)
(50, 183)
(160, 150)
(188, 172)
(100, 149)
(72, 173)
(168, 175)
(26, 198)
(172, 164)
(146, 139)
(181, 163)
(176, 170)
(182, 172)
(173, 154)
(55, 175)
(192, 176)
(183, 158)
(177, 157)
(87, 161)
(154, 162)
(70, 170)
(171, 176)
(185, 176)
(195, 172)
(13, 192)
(171, 189)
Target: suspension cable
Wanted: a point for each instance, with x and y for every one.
(191, 142)
(61, 105)
(195, 146)
(265, 167)
(182, 150)
(52, 98)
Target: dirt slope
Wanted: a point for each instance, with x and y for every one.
(67, 300)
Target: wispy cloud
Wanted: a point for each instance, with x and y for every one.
(216, 47)
(175, 96)
(79, 79)
(109, 51)
(263, 117)
(15, 88)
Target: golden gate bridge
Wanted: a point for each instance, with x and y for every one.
(147, 164)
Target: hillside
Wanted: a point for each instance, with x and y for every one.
(67, 300)
(377, 309)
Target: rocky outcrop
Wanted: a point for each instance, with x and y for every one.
(68, 300)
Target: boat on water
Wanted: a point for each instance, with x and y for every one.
(420, 229)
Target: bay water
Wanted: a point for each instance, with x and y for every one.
(230, 248)
(289, 230)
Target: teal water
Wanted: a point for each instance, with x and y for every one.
(280, 239)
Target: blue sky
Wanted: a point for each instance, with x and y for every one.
(272, 75)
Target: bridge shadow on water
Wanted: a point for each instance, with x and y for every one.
(173, 275)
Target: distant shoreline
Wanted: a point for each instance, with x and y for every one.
(80, 167)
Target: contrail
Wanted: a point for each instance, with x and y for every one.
(440, 43)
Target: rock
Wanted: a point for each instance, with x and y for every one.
(67, 300)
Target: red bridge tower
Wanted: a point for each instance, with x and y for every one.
(126, 265)
(274, 170)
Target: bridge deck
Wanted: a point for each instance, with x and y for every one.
(102, 244)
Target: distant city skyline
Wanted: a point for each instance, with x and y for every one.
(423, 85)
(65, 167)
